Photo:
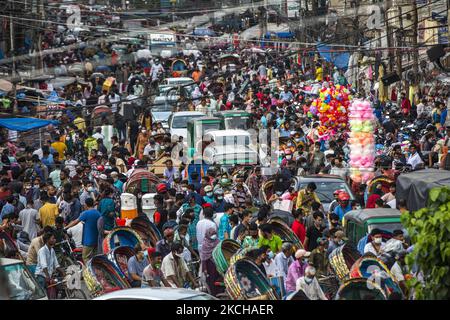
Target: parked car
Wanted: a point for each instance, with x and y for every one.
(21, 284)
(156, 293)
(326, 185)
(161, 111)
(178, 122)
(168, 83)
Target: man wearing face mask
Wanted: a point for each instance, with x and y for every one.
(287, 157)
(136, 265)
(376, 246)
(284, 259)
(310, 286)
(163, 246)
(152, 275)
(297, 269)
(219, 203)
(344, 205)
(255, 181)
(306, 197)
(209, 195)
(175, 270)
(210, 241)
(240, 192)
(319, 258)
(203, 226)
(88, 191)
(337, 239)
(399, 270)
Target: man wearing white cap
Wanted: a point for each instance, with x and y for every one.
(297, 269)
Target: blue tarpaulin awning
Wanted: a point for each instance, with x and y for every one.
(339, 59)
(25, 124)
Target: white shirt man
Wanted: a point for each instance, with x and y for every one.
(150, 147)
(102, 99)
(420, 109)
(169, 268)
(414, 160)
(114, 98)
(46, 259)
(71, 164)
(76, 232)
(201, 228)
(370, 248)
(98, 135)
(311, 288)
(397, 271)
(156, 69)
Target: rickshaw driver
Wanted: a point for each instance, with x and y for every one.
(175, 269)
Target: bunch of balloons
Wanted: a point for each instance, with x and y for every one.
(361, 141)
(331, 107)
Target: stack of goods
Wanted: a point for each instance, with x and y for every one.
(332, 109)
(361, 141)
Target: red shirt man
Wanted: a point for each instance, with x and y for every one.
(297, 226)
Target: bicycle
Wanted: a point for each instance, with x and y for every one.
(59, 290)
(67, 256)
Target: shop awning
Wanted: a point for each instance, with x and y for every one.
(25, 124)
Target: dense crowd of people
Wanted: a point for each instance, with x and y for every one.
(69, 186)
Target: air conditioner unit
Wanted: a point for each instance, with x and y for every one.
(406, 14)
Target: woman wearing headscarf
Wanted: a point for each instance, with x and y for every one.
(376, 194)
(210, 241)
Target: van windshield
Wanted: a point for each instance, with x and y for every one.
(236, 123)
(180, 122)
(202, 128)
(21, 284)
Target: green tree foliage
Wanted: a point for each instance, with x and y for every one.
(429, 229)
